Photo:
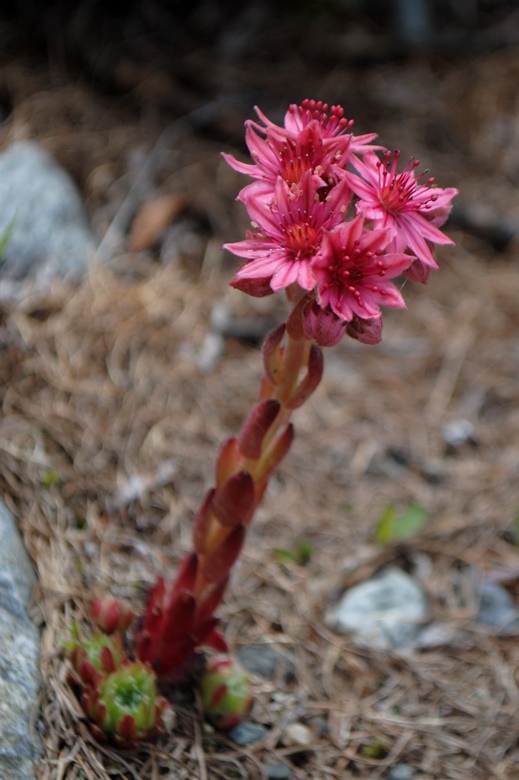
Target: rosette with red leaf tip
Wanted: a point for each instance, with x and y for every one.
(226, 696)
(93, 656)
(124, 706)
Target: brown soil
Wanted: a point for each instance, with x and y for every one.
(106, 388)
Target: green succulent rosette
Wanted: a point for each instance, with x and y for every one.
(226, 696)
(93, 656)
(124, 706)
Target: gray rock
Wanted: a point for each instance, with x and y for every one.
(497, 609)
(266, 662)
(259, 659)
(19, 655)
(50, 234)
(384, 613)
(277, 770)
(401, 772)
(247, 732)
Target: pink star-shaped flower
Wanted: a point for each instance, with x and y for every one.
(352, 270)
(287, 232)
(411, 210)
(314, 138)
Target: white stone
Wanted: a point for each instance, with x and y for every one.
(297, 735)
(384, 613)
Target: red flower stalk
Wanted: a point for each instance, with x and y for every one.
(334, 239)
(179, 620)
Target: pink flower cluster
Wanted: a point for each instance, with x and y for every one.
(331, 214)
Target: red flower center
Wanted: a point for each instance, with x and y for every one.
(301, 239)
(402, 191)
(293, 164)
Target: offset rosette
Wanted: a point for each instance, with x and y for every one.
(226, 696)
(124, 706)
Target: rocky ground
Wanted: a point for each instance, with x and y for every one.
(117, 390)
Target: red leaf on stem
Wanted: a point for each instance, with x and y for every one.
(271, 352)
(309, 383)
(256, 427)
(219, 561)
(233, 502)
(201, 523)
(228, 462)
(276, 453)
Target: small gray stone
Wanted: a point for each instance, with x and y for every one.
(384, 613)
(247, 732)
(497, 609)
(259, 659)
(277, 770)
(401, 772)
(19, 656)
(458, 432)
(50, 234)
(263, 660)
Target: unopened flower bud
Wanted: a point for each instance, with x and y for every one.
(112, 615)
(226, 696)
(418, 272)
(322, 325)
(366, 331)
(258, 288)
(295, 323)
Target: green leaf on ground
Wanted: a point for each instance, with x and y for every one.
(301, 554)
(394, 526)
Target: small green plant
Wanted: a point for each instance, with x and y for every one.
(119, 696)
(51, 478)
(396, 526)
(301, 554)
(376, 748)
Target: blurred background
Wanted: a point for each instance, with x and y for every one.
(437, 78)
